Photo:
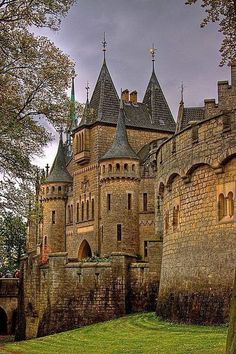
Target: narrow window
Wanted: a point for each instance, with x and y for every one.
(101, 233)
(109, 168)
(231, 204)
(82, 211)
(68, 214)
(119, 232)
(103, 169)
(175, 217)
(92, 209)
(167, 221)
(133, 168)
(53, 217)
(45, 241)
(59, 189)
(77, 212)
(145, 248)
(87, 209)
(80, 144)
(221, 206)
(126, 168)
(129, 201)
(108, 202)
(145, 202)
(117, 167)
(53, 189)
(71, 214)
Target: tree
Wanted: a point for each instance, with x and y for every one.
(34, 76)
(12, 241)
(223, 12)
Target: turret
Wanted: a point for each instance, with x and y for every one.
(119, 177)
(53, 195)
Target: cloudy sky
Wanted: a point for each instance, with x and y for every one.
(185, 52)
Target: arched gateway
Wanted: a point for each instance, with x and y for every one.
(84, 250)
(3, 322)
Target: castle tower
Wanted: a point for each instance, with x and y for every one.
(53, 195)
(119, 177)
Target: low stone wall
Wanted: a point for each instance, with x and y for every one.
(64, 295)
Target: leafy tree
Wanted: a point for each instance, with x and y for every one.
(12, 241)
(34, 76)
(223, 12)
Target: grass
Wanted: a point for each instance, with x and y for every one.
(136, 334)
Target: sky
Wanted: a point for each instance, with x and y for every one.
(185, 52)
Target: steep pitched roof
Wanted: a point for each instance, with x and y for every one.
(59, 172)
(189, 114)
(157, 105)
(105, 101)
(120, 147)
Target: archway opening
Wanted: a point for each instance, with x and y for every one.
(84, 250)
(3, 322)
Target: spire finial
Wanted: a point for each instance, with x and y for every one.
(104, 44)
(182, 92)
(87, 88)
(153, 54)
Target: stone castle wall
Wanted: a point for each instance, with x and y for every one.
(199, 242)
(64, 295)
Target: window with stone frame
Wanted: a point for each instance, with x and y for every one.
(77, 212)
(167, 221)
(145, 202)
(108, 201)
(175, 217)
(129, 201)
(225, 207)
(92, 209)
(145, 248)
(119, 232)
(87, 209)
(53, 216)
(82, 211)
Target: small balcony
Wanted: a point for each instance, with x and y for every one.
(82, 157)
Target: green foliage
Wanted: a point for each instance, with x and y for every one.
(12, 241)
(34, 77)
(137, 334)
(223, 12)
(96, 259)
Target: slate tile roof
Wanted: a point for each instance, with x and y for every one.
(191, 114)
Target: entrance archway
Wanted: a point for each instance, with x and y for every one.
(3, 322)
(84, 250)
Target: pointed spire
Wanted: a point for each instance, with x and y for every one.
(87, 88)
(59, 172)
(182, 93)
(120, 147)
(160, 114)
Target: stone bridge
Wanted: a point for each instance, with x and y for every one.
(8, 305)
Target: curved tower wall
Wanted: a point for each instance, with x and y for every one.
(199, 240)
(116, 187)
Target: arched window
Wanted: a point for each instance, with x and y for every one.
(53, 189)
(87, 209)
(59, 189)
(117, 167)
(45, 241)
(103, 168)
(82, 211)
(175, 217)
(109, 168)
(126, 167)
(230, 204)
(77, 212)
(93, 209)
(133, 168)
(222, 208)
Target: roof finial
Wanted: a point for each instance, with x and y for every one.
(182, 92)
(104, 44)
(153, 54)
(87, 88)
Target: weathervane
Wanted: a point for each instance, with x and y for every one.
(87, 89)
(153, 54)
(104, 44)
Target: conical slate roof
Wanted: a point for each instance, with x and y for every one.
(104, 101)
(120, 147)
(58, 172)
(158, 107)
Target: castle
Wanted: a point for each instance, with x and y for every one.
(137, 213)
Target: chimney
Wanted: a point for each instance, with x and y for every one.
(233, 74)
(134, 97)
(125, 96)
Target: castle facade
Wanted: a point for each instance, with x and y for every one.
(135, 202)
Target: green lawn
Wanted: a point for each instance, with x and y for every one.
(137, 334)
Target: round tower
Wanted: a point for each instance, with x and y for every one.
(119, 178)
(53, 195)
